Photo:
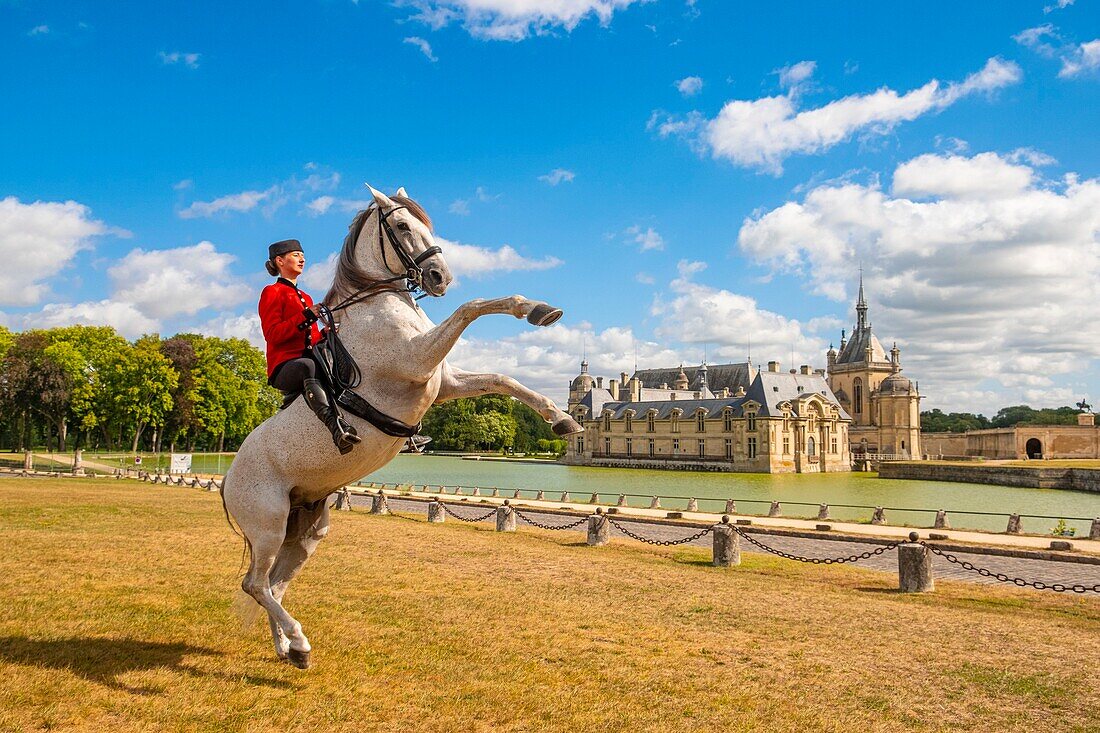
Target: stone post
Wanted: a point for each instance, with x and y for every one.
(693, 505)
(496, 492)
(458, 490)
(540, 496)
(655, 503)
(1014, 524)
(78, 462)
(595, 499)
(378, 504)
(823, 511)
(599, 529)
(1094, 531)
(515, 494)
(731, 506)
(941, 520)
(879, 517)
(915, 567)
(477, 491)
(436, 512)
(775, 510)
(727, 545)
(565, 496)
(28, 461)
(621, 501)
(506, 518)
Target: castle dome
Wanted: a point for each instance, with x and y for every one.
(895, 384)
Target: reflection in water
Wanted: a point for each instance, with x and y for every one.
(712, 489)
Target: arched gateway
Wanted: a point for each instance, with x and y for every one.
(1034, 448)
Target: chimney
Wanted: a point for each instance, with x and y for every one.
(623, 378)
(740, 391)
(805, 369)
(635, 390)
(599, 382)
(819, 372)
(773, 366)
(725, 391)
(613, 388)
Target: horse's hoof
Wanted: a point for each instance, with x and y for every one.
(544, 314)
(299, 659)
(567, 426)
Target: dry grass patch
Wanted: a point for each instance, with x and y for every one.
(117, 616)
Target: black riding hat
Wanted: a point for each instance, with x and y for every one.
(281, 248)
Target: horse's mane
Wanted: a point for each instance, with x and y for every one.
(349, 278)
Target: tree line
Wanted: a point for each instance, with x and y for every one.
(88, 387)
(936, 421)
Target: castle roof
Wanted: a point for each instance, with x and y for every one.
(771, 389)
(855, 350)
(716, 376)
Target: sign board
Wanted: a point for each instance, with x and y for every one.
(181, 463)
(137, 460)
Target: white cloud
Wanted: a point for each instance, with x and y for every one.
(764, 132)
(39, 30)
(796, 76)
(190, 60)
(236, 202)
(513, 20)
(317, 278)
(474, 261)
(1036, 39)
(124, 317)
(645, 278)
(1059, 5)
(424, 46)
(183, 185)
(484, 196)
(646, 239)
(558, 175)
(172, 282)
(1081, 59)
(460, 207)
(320, 205)
(37, 241)
(228, 325)
(987, 283)
(689, 86)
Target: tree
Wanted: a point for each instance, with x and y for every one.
(935, 421)
(86, 352)
(36, 383)
(140, 385)
(182, 420)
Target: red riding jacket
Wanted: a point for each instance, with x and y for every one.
(289, 328)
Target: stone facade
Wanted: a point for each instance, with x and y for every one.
(884, 405)
(740, 419)
(1020, 442)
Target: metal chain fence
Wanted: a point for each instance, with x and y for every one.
(1020, 582)
(662, 543)
(817, 560)
(461, 518)
(540, 525)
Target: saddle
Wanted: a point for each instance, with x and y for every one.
(336, 369)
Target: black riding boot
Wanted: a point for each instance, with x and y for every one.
(343, 435)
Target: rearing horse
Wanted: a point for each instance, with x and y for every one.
(277, 485)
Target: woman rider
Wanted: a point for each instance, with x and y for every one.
(288, 317)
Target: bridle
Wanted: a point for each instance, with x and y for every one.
(413, 275)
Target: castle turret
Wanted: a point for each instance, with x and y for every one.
(581, 385)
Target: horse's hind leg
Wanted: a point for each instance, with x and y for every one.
(305, 529)
(266, 531)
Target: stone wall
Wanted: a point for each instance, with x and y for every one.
(1079, 479)
(943, 444)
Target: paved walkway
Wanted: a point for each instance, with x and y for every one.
(1047, 571)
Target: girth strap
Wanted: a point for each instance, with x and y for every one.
(359, 407)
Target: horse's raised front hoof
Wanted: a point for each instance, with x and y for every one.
(299, 659)
(567, 426)
(544, 314)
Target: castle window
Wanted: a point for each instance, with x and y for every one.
(676, 446)
(629, 447)
(607, 422)
(857, 403)
(580, 445)
(675, 422)
(651, 422)
(786, 444)
(607, 446)
(727, 420)
(729, 449)
(811, 446)
(751, 419)
(700, 422)
(629, 423)
(833, 447)
(752, 447)
(702, 448)
(651, 446)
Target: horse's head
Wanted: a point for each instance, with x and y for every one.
(406, 242)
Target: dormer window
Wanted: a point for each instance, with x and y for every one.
(750, 419)
(629, 420)
(607, 421)
(651, 421)
(700, 422)
(727, 420)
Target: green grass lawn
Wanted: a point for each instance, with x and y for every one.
(117, 617)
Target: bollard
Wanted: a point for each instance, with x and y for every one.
(731, 506)
(599, 529)
(496, 492)
(477, 491)
(1014, 524)
(775, 510)
(28, 461)
(78, 462)
(727, 545)
(378, 504)
(595, 499)
(693, 505)
(621, 501)
(458, 490)
(915, 567)
(655, 503)
(506, 518)
(1094, 531)
(879, 517)
(565, 496)
(515, 494)
(941, 520)
(540, 495)
(343, 500)
(436, 512)
(823, 511)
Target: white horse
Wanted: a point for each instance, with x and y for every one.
(277, 486)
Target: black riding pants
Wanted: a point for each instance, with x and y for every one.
(289, 375)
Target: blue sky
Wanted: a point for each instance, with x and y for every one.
(722, 171)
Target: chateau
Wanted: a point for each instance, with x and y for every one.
(736, 417)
